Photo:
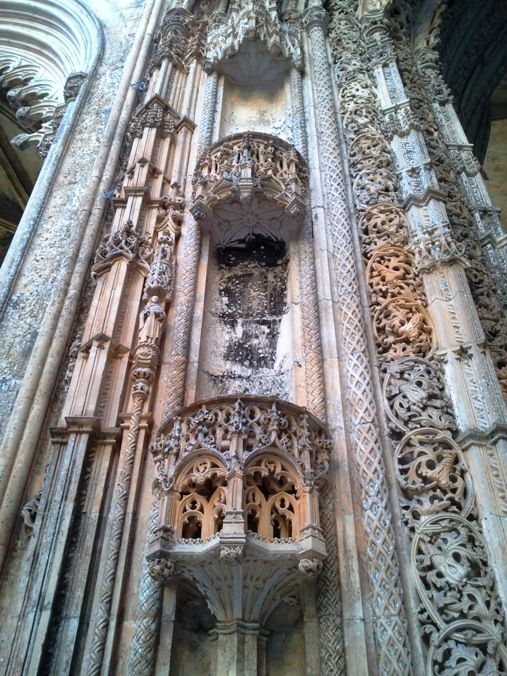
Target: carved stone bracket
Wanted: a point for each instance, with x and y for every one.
(250, 168)
(240, 511)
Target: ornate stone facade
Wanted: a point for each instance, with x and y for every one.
(258, 424)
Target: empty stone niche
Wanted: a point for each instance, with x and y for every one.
(247, 334)
(259, 104)
(195, 645)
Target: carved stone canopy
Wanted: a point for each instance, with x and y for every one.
(251, 43)
(248, 183)
(239, 480)
(46, 51)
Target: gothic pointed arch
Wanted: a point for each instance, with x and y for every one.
(47, 50)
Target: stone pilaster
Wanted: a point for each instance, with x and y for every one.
(458, 339)
(387, 607)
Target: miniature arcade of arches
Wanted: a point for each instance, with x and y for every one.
(239, 481)
(272, 499)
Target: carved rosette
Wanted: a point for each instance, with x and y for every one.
(460, 611)
(240, 480)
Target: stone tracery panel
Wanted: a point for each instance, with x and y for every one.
(240, 480)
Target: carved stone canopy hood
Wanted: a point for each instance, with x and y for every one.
(239, 479)
(263, 178)
(277, 43)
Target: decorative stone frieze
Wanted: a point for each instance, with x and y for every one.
(387, 609)
(254, 423)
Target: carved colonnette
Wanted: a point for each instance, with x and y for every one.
(390, 631)
(436, 492)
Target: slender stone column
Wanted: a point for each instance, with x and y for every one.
(312, 345)
(144, 645)
(299, 134)
(390, 629)
(209, 105)
(237, 649)
(56, 515)
(328, 609)
(143, 652)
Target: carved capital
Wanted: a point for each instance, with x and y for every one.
(316, 17)
(436, 246)
(161, 570)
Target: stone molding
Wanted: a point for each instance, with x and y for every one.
(390, 629)
(44, 63)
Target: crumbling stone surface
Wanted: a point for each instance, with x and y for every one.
(248, 309)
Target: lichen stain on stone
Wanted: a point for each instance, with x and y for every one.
(252, 300)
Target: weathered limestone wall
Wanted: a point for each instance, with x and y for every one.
(247, 343)
(495, 165)
(50, 258)
(56, 250)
